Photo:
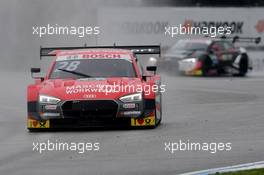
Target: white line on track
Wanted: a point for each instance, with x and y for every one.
(240, 167)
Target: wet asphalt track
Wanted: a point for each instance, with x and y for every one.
(222, 109)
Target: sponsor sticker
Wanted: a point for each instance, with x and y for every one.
(38, 124)
(90, 55)
(148, 121)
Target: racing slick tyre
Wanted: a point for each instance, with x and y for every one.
(159, 122)
(206, 65)
(157, 119)
(160, 117)
(243, 66)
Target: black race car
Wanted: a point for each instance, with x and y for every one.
(210, 56)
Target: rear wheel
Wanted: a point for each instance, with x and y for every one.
(243, 66)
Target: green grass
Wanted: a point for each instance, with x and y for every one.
(245, 172)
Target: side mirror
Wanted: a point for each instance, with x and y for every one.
(36, 70)
(151, 68)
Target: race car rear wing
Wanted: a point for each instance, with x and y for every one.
(141, 49)
(235, 39)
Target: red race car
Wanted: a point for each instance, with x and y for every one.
(95, 87)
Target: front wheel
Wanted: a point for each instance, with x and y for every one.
(160, 111)
(206, 65)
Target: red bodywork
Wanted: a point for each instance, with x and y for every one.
(58, 87)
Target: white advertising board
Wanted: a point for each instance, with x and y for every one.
(147, 25)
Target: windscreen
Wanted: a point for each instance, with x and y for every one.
(85, 68)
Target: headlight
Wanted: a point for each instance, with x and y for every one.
(192, 60)
(131, 98)
(48, 100)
